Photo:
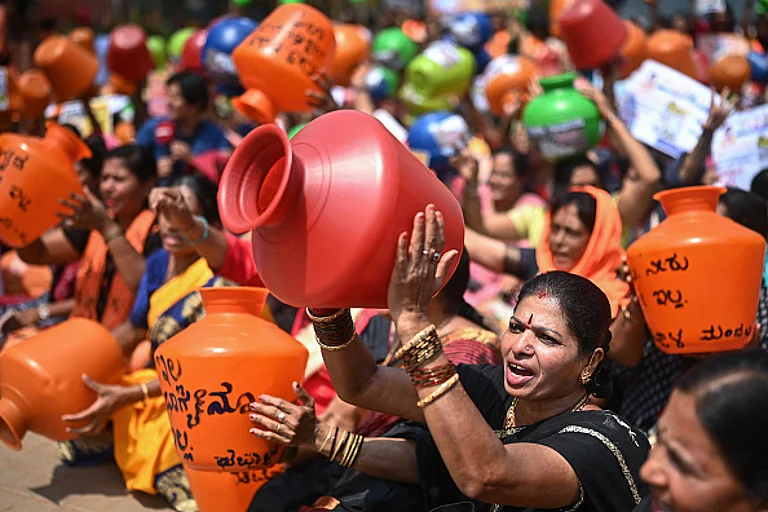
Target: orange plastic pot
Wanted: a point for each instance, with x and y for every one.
(69, 67)
(277, 62)
(672, 49)
(634, 51)
(35, 90)
(28, 168)
(211, 372)
(555, 8)
(300, 198)
(353, 46)
(230, 492)
(83, 37)
(593, 33)
(732, 71)
(508, 74)
(698, 275)
(128, 55)
(41, 378)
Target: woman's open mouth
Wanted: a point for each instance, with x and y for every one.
(518, 375)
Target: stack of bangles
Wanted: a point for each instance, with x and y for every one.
(420, 350)
(345, 447)
(335, 332)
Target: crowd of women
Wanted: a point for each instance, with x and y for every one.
(529, 382)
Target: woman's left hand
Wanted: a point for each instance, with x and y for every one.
(180, 151)
(280, 421)
(171, 204)
(88, 211)
(420, 268)
(110, 399)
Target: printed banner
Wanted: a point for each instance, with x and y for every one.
(664, 108)
(740, 147)
(717, 46)
(104, 109)
(459, 6)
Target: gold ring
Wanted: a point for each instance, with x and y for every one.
(279, 425)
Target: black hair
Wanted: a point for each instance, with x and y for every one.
(759, 184)
(731, 395)
(205, 190)
(453, 292)
(586, 312)
(193, 88)
(538, 23)
(586, 207)
(139, 160)
(564, 169)
(520, 160)
(746, 208)
(95, 163)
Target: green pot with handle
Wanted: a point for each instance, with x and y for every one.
(442, 69)
(562, 122)
(419, 104)
(393, 49)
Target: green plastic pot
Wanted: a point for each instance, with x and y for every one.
(156, 46)
(296, 129)
(419, 104)
(393, 49)
(178, 40)
(442, 69)
(562, 122)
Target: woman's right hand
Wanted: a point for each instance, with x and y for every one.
(280, 421)
(171, 204)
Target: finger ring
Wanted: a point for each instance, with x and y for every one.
(281, 416)
(279, 426)
(436, 257)
(425, 252)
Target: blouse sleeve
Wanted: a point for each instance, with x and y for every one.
(138, 316)
(238, 263)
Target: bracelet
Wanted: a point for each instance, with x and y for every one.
(336, 348)
(430, 379)
(204, 237)
(113, 235)
(413, 341)
(352, 450)
(144, 391)
(339, 333)
(327, 438)
(337, 448)
(443, 389)
(325, 319)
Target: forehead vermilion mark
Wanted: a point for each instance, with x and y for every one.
(530, 321)
(542, 294)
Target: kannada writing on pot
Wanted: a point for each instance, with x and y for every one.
(717, 333)
(665, 339)
(670, 298)
(248, 477)
(249, 460)
(7, 224)
(670, 264)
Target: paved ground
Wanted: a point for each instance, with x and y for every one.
(33, 480)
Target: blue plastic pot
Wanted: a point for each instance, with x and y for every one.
(471, 29)
(216, 55)
(758, 63)
(439, 134)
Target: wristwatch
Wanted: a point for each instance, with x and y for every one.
(44, 313)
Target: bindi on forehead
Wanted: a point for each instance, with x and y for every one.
(542, 294)
(530, 321)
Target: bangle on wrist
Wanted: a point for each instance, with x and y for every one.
(43, 313)
(203, 237)
(112, 235)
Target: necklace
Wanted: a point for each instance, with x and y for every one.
(510, 421)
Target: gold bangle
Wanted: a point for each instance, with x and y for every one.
(327, 438)
(337, 448)
(336, 348)
(352, 452)
(326, 319)
(413, 341)
(144, 391)
(443, 389)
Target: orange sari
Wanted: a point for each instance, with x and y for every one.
(603, 256)
(91, 274)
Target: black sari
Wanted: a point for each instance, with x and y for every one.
(605, 453)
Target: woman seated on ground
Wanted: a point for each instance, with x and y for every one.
(166, 303)
(710, 451)
(521, 435)
(464, 341)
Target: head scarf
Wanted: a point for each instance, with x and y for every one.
(603, 256)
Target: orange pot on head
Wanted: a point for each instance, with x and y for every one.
(211, 372)
(69, 67)
(634, 50)
(278, 61)
(353, 46)
(698, 275)
(731, 71)
(672, 49)
(35, 89)
(28, 167)
(41, 378)
(83, 37)
(512, 75)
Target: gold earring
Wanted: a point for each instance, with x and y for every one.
(584, 379)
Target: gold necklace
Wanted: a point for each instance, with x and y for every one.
(510, 421)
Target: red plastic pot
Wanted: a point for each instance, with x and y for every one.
(191, 57)
(326, 208)
(128, 55)
(593, 33)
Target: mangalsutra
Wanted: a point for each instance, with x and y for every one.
(511, 422)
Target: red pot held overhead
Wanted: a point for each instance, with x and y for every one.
(593, 33)
(191, 57)
(326, 208)
(128, 55)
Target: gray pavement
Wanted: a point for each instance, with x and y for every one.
(33, 480)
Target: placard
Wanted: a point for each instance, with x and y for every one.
(104, 109)
(459, 6)
(664, 108)
(740, 147)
